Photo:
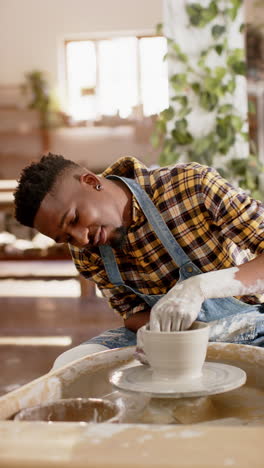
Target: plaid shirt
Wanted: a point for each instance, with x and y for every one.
(217, 226)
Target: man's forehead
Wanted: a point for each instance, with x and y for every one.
(48, 215)
(55, 203)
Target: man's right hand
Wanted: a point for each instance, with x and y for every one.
(179, 308)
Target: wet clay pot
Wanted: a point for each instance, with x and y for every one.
(177, 355)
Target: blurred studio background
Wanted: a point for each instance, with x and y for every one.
(161, 80)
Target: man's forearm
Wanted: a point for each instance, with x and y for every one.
(242, 280)
(134, 322)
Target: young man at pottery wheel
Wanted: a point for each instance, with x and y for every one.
(166, 246)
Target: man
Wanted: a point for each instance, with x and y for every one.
(177, 241)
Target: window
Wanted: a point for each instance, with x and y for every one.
(113, 76)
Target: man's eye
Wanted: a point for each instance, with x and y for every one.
(75, 219)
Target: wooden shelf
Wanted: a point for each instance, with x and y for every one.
(21, 133)
(22, 139)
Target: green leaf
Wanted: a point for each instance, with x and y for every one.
(155, 140)
(179, 81)
(236, 55)
(231, 86)
(203, 144)
(183, 100)
(219, 49)
(220, 72)
(210, 83)
(225, 129)
(236, 62)
(208, 100)
(245, 135)
(196, 87)
(180, 55)
(213, 8)
(200, 16)
(176, 48)
(217, 31)
(232, 12)
(159, 29)
(204, 53)
(168, 157)
(184, 111)
(181, 134)
(183, 58)
(240, 68)
(182, 138)
(220, 90)
(167, 114)
(194, 10)
(168, 154)
(236, 3)
(201, 62)
(160, 126)
(225, 108)
(181, 125)
(237, 122)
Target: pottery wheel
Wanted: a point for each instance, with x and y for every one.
(216, 378)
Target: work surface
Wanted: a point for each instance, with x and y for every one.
(31, 444)
(126, 446)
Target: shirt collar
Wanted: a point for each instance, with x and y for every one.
(132, 168)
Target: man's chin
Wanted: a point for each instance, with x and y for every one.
(118, 238)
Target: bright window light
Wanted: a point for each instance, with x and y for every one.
(118, 90)
(36, 340)
(113, 76)
(81, 74)
(154, 75)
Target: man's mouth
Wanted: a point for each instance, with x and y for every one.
(100, 237)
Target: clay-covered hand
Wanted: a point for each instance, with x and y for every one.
(179, 308)
(139, 353)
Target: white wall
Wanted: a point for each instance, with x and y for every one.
(32, 31)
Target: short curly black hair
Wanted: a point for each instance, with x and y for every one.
(36, 180)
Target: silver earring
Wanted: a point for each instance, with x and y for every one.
(98, 187)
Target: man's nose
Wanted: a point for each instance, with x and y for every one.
(79, 235)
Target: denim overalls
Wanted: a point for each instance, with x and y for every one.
(231, 320)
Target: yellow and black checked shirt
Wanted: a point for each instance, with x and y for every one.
(217, 226)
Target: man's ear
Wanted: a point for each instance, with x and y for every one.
(89, 178)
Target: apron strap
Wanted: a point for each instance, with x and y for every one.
(157, 222)
(115, 277)
(162, 231)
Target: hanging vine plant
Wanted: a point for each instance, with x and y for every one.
(213, 89)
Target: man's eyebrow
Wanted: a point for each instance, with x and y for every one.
(61, 224)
